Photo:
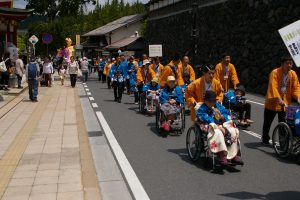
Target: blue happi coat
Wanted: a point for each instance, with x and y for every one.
(205, 114)
(176, 94)
(149, 86)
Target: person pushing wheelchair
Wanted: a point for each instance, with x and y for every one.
(223, 136)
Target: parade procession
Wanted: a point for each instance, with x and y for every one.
(149, 99)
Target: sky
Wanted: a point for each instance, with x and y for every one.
(22, 3)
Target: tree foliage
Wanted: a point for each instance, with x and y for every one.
(68, 25)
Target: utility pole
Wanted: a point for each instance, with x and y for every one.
(195, 32)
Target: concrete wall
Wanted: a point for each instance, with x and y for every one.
(247, 29)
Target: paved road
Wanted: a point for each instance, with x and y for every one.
(164, 168)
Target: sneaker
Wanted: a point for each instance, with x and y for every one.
(223, 161)
(115, 100)
(119, 101)
(238, 160)
(136, 103)
(266, 141)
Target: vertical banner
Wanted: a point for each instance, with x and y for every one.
(291, 38)
(77, 39)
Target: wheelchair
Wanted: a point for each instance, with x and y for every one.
(286, 135)
(197, 146)
(146, 105)
(178, 126)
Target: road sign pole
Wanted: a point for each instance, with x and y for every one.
(47, 50)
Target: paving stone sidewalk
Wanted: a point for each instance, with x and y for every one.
(44, 153)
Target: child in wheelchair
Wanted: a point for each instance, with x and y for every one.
(223, 136)
(151, 90)
(236, 101)
(171, 99)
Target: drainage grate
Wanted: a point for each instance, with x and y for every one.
(95, 133)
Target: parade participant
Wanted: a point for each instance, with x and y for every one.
(84, 64)
(222, 135)
(106, 72)
(157, 67)
(171, 97)
(144, 57)
(117, 78)
(174, 68)
(101, 76)
(130, 69)
(187, 68)
(226, 74)
(20, 71)
(133, 85)
(32, 76)
(197, 89)
(152, 90)
(48, 71)
(73, 68)
(187, 82)
(236, 101)
(283, 87)
(144, 75)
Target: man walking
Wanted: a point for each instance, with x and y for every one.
(20, 71)
(32, 75)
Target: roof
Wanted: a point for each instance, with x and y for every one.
(115, 25)
(15, 12)
(122, 43)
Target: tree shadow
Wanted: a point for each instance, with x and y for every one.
(292, 159)
(269, 196)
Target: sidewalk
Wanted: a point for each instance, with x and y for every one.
(44, 149)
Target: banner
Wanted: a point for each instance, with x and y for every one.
(155, 50)
(291, 38)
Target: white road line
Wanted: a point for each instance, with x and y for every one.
(94, 105)
(261, 104)
(133, 181)
(89, 93)
(84, 83)
(87, 89)
(91, 98)
(253, 134)
(85, 86)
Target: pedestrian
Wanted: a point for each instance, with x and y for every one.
(117, 76)
(106, 71)
(101, 76)
(157, 67)
(73, 68)
(130, 69)
(225, 73)
(48, 71)
(32, 76)
(62, 73)
(187, 69)
(84, 64)
(144, 75)
(283, 87)
(196, 90)
(20, 71)
(5, 74)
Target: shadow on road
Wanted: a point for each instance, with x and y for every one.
(263, 148)
(269, 196)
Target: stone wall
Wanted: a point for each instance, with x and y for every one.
(246, 29)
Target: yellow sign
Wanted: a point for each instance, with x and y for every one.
(77, 39)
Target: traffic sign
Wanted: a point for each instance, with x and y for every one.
(33, 39)
(47, 38)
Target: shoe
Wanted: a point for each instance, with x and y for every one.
(166, 127)
(136, 103)
(115, 100)
(238, 160)
(35, 100)
(6, 89)
(266, 142)
(20, 87)
(223, 162)
(119, 101)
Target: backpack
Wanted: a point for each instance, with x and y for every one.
(32, 71)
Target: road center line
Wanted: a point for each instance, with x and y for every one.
(91, 98)
(89, 93)
(87, 89)
(261, 104)
(134, 183)
(253, 134)
(94, 105)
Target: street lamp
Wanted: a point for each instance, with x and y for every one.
(194, 31)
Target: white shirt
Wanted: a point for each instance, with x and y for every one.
(48, 68)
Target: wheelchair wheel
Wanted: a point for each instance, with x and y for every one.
(282, 140)
(183, 118)
(194, 143)
(157, 120)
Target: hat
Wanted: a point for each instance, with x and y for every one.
(84, 58)
(113, 59)
(155, 80)
(208, 68)
(146, 62)
(210, 96)
(171, 78)
(241, 88)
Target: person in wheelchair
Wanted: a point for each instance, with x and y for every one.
(171, 98)
(222, 134)
(151, 89)
(236, 101)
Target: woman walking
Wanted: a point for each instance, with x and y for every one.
(73, 68)
(85, 69)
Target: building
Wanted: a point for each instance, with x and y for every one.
(10, 19)
(122, 34)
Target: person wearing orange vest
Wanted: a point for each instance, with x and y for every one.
(196, 90)
(283, 87)
(225, 73)
(174, 68)
(157, 67)
(187, 69)
(144, 75)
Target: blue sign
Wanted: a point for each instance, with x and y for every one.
(47, 38)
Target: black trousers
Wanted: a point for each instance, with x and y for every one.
(4, 79)
(19, 80)
(108, 82)
(128, 85)
(118, 89)
(101, 76)
(244, 111)
(269, 116)
(73, 79)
